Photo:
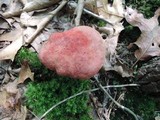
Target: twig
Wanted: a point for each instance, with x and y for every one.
(111, 105)
(116, 86)
(28, 7)
(119, 105)
(33, 114)
(45, 21)
(79, 11)
(73, 96)
(82, 92)
(74, 5)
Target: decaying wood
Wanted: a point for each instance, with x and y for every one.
(149, 76)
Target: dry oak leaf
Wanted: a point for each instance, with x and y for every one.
(111, 63)
(149, 40)
(3, 96)
(38, 4)
(11, 87)
(112, 12)
(14, 8)
(91, 5)
(4, 25)
(9, 93)
(11, 50)
(20, 114)
(25, 73)
(13, 34)
(28, 20)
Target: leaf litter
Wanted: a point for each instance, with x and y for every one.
(30, 23)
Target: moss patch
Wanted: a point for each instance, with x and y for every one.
(41, 96)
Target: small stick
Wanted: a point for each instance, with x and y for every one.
(79, 11)
(74, 5)
(119, 105)
(45, 21)
(82, 92)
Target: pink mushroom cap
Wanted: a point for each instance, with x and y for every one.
(77, 53)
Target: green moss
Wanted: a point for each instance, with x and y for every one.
(41, 96)
(101, 23)
(31, 57)
(142, 105)
(40, 71)
(146, 7)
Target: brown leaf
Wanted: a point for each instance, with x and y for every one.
(20, 114)
(149, 41)
(11, 50)
(14, 34)
(4, 5)
(112, 38)
(38, 4)
(25, 73)
(4, 25)
(10, 95)
(14, 9)
(10, 101)
(3, 96)
(91, 5)
(28, 20)
(11, 87)
(113, 13)
(111, 63)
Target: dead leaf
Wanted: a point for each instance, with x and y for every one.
(10, 103)
(149, 41)
(10, 95)
(25, 73)
(37, 43)
(28, 20)
(10, 51)
(4, 24)
(112, 63)
(20, 114)
(11, 87)
(14, 34)
(112, 34)
(4, 5)
(3, 96)
(15, 8)
(91, 5)
(38, 4)
(112, 12)
(111, 41)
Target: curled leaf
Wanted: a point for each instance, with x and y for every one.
(149, 40)
(25, 73)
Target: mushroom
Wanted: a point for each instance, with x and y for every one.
(77, 53)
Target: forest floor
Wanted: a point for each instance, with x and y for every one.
(126, 87)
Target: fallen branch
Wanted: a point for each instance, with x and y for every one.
(79, 11)
(45, 21)
(29, 6)
(82, 92)
(74, 5)
(33, 114)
